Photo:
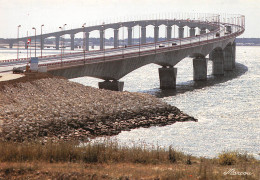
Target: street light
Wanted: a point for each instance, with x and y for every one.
(35, 40)
(41, 39)
(61, 47)
(63, 41)
(18, 41)
(84, 39)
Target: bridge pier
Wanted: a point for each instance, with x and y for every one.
(72, 38)
(115, 38)
(234, 54)
(129, 39)
(228, 58)
(192, 31)
(87, 41)
(42, 43)
(57, 42)
(217, 57)
(169, 32)
(200, 65)
(181, 32)
(203, 31)
(143, 35)
(167, 77)
(101, 39)
(25, 45)
(156, 33)
(114, 85)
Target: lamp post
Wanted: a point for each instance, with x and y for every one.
(35, 41)
(41, 39)
(61, 47)
(18, 41)
(84, 40)
(63, 41)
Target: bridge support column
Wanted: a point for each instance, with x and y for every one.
(192, 31)
(234, 54)
(156, 33)
(217, 57)
(167, 77)
(143, 35)
(228, 58)
(169, 32)
(200, 65)
(202, 31)
(42, 43)
(25, 45)
(111, 85)
(72, 38)
(101, 40)
(87, 41)
(129, 39)
(57, 42)
(115, 38)
(181, 32)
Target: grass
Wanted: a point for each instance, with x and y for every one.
(109, 160)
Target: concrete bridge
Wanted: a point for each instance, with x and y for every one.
(216, 39)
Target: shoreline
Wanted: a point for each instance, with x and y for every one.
(75, 111)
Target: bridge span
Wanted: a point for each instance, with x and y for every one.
(216, 39)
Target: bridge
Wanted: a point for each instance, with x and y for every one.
(216, 38)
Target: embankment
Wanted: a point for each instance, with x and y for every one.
(43, 106)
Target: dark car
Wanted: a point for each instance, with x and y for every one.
(18, 70)
(174, 44)
(161, 45)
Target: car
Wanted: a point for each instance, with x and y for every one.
(217, 34)
(161, 45)
(174, 44)
(18, 70)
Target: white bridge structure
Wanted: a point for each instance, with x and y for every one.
(212, 35)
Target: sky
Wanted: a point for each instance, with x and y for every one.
(74, 13)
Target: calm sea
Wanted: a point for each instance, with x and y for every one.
(227, 108)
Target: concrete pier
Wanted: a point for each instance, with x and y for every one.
(192, 31)
(87, 41)
(228, 58)
(156, 33)
(169, 32)
(101, 39)
(143, 35)
(202, 31)
(129, 39)
(111, 85)
(25, 45)
(168, 77)
(217, 57)
(72, 38)
(234, 55)
(42, 43)
(181, 32)
(115, 38)
(57, 42)
(200, 65)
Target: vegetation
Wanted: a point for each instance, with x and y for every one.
(109, 160)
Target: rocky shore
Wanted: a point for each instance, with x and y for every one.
(52, 107)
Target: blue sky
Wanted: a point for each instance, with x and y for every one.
(55, 13)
